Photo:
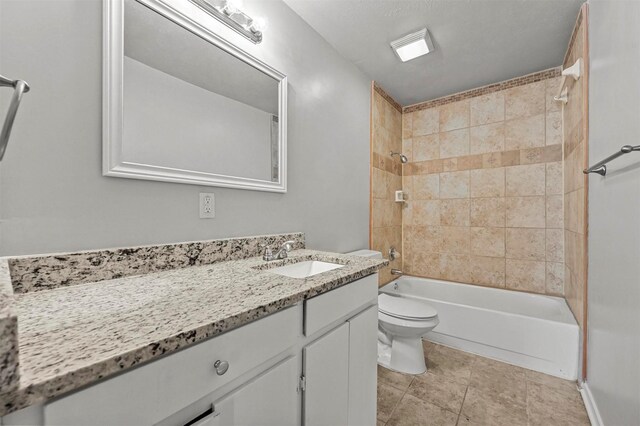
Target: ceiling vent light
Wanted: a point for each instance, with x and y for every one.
(413, 45)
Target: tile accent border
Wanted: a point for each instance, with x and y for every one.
(543, 154)
(36, 273)
(485, 90)
(387, 97)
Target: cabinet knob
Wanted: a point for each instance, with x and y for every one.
(221, 367)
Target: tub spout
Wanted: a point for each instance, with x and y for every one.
(396, 272)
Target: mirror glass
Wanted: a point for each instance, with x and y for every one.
(192, 108)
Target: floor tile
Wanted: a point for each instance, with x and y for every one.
(547, 406)
(445, 361)
(445, 392)
(393, 378)
(483, 407)
(388, 398)
(502, 381)
(567, 386)
(415, 412)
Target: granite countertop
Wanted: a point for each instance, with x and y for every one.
(72, 336)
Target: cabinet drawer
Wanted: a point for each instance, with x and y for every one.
(322, 310)
(156, 390)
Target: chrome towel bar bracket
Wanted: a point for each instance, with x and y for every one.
(601, 168)
(19, 87)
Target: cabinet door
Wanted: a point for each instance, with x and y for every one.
(270, 399)
(363, 371)
(326, 370)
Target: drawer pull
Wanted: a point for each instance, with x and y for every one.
(221, 367)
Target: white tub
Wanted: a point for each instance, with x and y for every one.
(529, 330)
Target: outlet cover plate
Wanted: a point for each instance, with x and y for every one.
(207, 205)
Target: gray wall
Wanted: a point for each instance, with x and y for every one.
(613, 374)
(54, 198)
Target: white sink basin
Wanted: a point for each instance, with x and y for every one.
(305, 269)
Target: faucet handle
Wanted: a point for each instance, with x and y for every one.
(288, 245)
(267, 253)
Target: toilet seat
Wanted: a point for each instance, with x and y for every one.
(404, 308)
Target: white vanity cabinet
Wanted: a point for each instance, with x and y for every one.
(313, 364)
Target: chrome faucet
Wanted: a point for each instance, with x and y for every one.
(282, 253)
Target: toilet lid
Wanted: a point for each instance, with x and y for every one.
(404, 307)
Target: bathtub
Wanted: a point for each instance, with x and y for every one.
(533, 331)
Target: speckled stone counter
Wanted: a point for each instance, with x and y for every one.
(74, 335)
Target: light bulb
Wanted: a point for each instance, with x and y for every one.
(259, 25)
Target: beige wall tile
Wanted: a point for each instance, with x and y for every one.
(377, 212)
(487, 183)
(552, 85)
(454, 116)
(426, 147)
(525, 212)
(426, 265)
(487, 138)
(454, 212)
(555, 278)
(554, 178)
(455, 240)
(426, 212)
(427, 239)
(487, 109)
(526, 244)
(488, 271)
(525, 101)
(407, 148)
(454, 185)
(553, 128)
(426, 187)
(487, 212)
(526, 275)
(407, 125)
(524, 133)
(554, 245)
(525, 180)
(487, 242)
(425, 122)
(379, 183)
(454, 267)
(454, 143)
(554, 209)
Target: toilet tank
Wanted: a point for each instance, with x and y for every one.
(367, 253)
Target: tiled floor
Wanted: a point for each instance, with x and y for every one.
(460, 388)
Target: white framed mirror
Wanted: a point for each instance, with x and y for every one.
(181, 104)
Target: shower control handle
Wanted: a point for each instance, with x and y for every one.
(393, 253)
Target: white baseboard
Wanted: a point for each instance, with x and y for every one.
(590, 405)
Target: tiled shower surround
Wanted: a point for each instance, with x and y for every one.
(484, 185)
(386, 178)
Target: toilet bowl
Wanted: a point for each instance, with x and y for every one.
(401, 324)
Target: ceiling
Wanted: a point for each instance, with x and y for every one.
(160, 43)
(477, 42)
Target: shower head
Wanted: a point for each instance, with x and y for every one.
(403, 158)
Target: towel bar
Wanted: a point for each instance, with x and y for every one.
(20, 87)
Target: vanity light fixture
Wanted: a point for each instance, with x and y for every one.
(228, 12)
(412, 45)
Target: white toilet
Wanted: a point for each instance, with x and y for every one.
(402, 322)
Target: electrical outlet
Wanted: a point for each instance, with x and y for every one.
(207, 205)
